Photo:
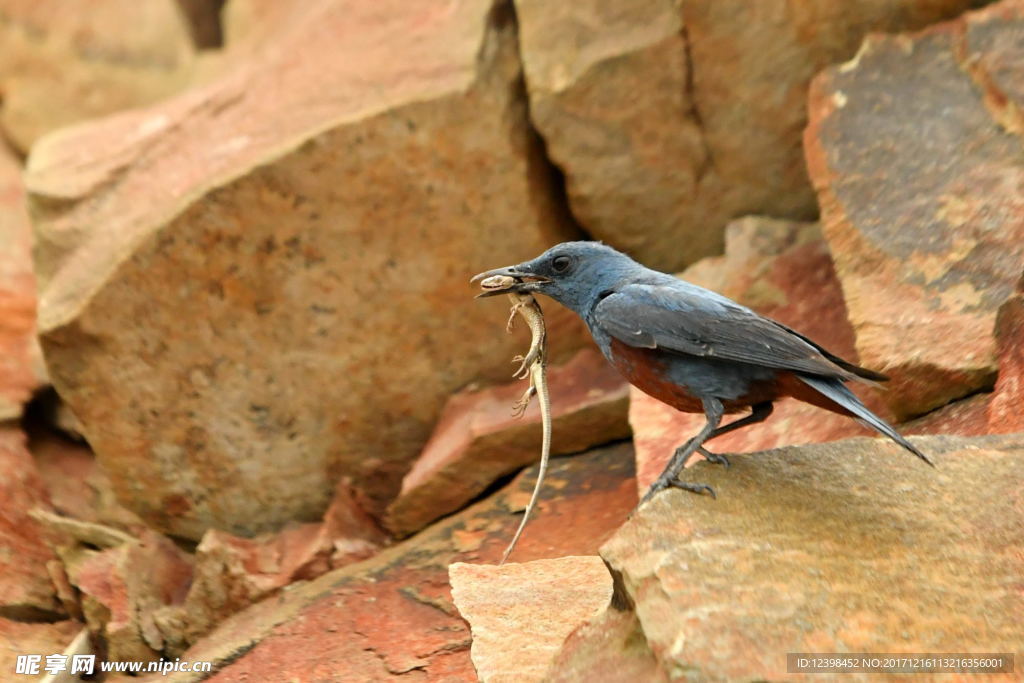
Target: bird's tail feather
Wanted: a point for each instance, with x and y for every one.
(835, 390)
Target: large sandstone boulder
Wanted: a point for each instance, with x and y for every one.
(58, 67)
(847, 547)
(919, 175)
(668, 119)
(260, 286)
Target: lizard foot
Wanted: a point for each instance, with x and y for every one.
(522, 404)
(524, 366)
(510, 325)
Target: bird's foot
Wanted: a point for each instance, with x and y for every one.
(663, 483)
(716, 458)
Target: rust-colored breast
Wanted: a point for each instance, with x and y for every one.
(646, 371)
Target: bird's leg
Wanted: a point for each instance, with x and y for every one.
(759, 413)
(713, 411)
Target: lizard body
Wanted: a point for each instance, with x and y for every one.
(532, 365)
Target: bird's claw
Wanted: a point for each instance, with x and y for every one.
(716, 458)
(661, 484)
(694, 488)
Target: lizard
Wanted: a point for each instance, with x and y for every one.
(532, 365)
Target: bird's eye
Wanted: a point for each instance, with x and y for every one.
(561, 264)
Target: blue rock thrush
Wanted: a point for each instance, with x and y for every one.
(691, 348)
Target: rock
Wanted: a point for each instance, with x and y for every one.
(59, 67)
(669, 119)
(316, 218)
(203, 20)
(26, 591)
(855, 546)
(1004, 413)
(783, 270)
(608, 92)
(77, 487)
(609, 647)
(521, 613)
(21, 362)
(919, 186)
(997, 412)
(966, 417)
(19, 638)
(232, 573)
(123, 588)
(88, 533)
(248, 24)
(478, 440)
(334, 624)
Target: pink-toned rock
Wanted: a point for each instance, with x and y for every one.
(77, 487)
(851, 546)
(1006, 410)
(478, 439)
(392, 617)
(919, 185)
(520, 614)
(232, 573)
(997, 412)
(610, 648)
(783, 270)
(965, 417)
(25, 587)
(314, 213)
(669, 119)
(248, 24)
(18, 638)
(21, 363)
(124, 587)
(59, 67)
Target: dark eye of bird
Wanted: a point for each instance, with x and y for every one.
(560, 264)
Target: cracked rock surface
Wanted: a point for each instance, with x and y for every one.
(669, 119)
(916, 156)
(210, 305)
(844, 547)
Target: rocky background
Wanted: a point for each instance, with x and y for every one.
(253, 416)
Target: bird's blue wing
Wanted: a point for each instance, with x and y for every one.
(690, 320)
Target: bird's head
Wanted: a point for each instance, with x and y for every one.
(574, 274)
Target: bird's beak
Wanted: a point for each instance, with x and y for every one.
(522, 280)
